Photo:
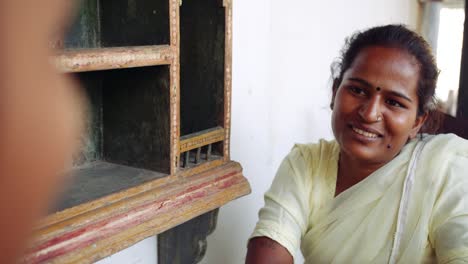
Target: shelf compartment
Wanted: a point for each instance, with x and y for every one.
(202, 65)
(118, 23)
(82, 60)
(98, 179)
(128, 125)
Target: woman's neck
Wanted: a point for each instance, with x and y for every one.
(351, 171)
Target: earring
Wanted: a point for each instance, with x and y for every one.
(379, 118)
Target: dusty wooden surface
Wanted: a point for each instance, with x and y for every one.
(98, 179)
(227, 77)
(202, 138)
(80, 60)
(174, 23)
(115, 226)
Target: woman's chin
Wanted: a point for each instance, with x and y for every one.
(369, 153)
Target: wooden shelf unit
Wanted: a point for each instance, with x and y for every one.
(157, 75)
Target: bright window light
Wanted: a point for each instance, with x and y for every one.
(449, 48)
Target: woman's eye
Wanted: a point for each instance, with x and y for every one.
(357, 90)
(394, 103)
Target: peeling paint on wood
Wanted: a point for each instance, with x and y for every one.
(200, 139)
(178, 202)
(113, 58)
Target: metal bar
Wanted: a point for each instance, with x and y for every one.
(186, 160)
(197, 157)
(208, 152)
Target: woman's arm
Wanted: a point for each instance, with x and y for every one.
(284, 218)
(265, 250)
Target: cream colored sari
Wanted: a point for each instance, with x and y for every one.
(430, 207)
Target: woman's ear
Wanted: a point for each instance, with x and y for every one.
(335, 85)
(418, 123)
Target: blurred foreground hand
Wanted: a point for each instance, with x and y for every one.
(40, 118)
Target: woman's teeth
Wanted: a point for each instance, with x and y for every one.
(364, 133)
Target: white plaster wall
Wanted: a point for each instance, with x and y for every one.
(143, 252)
(282, 53)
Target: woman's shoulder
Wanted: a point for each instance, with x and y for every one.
(323, 149)
(446, 164)
(314, 157)
(446, 145)
(445, 157)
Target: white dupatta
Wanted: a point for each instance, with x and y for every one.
(391, 216)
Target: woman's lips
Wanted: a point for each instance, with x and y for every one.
(364, 133)
(369, 133)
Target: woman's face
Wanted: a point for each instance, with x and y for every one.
(376, 104)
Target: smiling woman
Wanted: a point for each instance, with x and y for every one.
(366, 121)
(378, 193)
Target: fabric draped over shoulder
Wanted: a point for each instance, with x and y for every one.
(285, 216)
(358, 226)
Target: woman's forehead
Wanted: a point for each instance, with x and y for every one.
(385, 57)
(385, 67)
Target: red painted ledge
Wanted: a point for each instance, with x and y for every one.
(117, 226)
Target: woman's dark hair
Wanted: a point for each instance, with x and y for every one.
(396, 36)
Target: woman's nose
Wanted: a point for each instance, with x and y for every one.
(370, 111)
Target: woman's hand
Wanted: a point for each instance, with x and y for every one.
(265, 250)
